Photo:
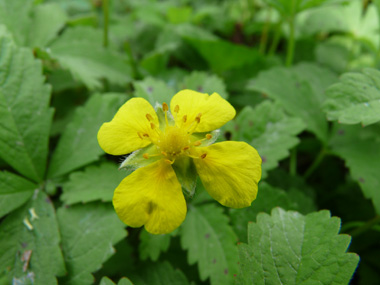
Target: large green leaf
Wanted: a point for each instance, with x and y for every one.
(25, 117)
(94, 183)
(268, 198)
(269, 130)
(152, 245)
(30, 243)
(289, 248)
(27, 21)
(161, 273)
(300, 90)
(360, 148)
(153, 90)
(355, 99)
(88, 235)
(80, 50)
(14, 191)
(78, 145)
(211, 243)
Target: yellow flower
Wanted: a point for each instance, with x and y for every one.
(171, 146)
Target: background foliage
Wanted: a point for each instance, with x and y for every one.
(304, 78)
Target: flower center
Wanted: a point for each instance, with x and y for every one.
(173, 141)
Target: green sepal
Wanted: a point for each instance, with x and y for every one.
(136, 160)
(187, 175)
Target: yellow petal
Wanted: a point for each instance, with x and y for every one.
(151, 196)
(215, 111)
(121, 135)
(230, 172)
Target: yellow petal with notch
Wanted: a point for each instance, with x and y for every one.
(130, 129)
(230, 172)
(151, 196)
(213, 111)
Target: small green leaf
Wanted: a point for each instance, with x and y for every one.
(359, 147)
(205, 83)
(211, 243)
(290, 8)
(289, 248)
(268, 129)
(80, 50)
(88, 235)
(94, 183)
(268, 198)
(300, 90)
(153, 90)
(30, 243)
(355, 99)
(123, 281)
(151, 246)
(14, 192)
(78, 145)
(25, 116)
(161, 273)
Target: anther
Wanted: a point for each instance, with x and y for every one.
(176, 109)
(146, 135)
(141, 137)
(203, 155)
(152, 126)
(149, 117)
(146, 156)
(165, 107)
(184, 118)
(186, 148)
(197, 143)
(168, 161)
(164, 153)
(198, 118)
(209, 136)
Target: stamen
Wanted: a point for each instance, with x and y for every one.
(198, 118)
(176, 109)
(197, 143)
(146, 156)
(184, 118)
(153, 126)
(140, 135)
(186, 148)
(169, 161)
(149, 117)
(165, 107)
(164, 153)
(203, 155)
(146, 135)
(209, 136)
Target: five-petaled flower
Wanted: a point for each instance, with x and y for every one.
(169, 147)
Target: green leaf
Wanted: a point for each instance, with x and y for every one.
(269, 130)
(78, 145)
(223, 55)
(205, 83)
(151, 246)
(94, 183)
(268, 198)
(42, 33)
(288, 8)
(355, 98)
(300, 90)
(161, 273)
(123, 281)
(359, 147)
(88, 234)
(25, 116)
(153, 90)
(289, 248)
(211, 243)
(80, 50)
(14, 192)
(30, 243)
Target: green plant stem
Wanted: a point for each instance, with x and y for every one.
(315, 163)
(105, 22)
(276, 39)
(293, 162)
(290, 47)
(368, 225)
(264, 34)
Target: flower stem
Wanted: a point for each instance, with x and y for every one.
(290, 47)
(105, 22)
(276, 39)
(315, 163)
(293, 162)
(264, 34)
(368, 225)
